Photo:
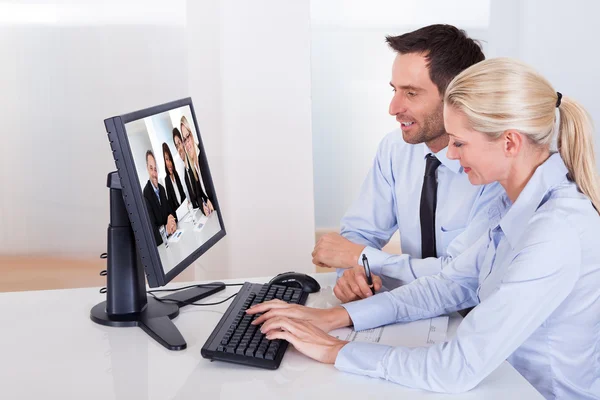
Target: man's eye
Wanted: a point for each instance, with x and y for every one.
(411, 94)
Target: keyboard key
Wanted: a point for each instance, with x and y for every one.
(230, 348)
(274, 345)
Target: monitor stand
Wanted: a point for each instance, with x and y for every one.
(126, 301)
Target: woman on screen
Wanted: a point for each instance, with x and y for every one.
(172, 181)
(534, 277)
(196, 175)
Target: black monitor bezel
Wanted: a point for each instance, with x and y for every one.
(134, 199)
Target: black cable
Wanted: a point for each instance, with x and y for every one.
(186, 303)
(201, 285)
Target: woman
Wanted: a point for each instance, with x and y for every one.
(175, 197)
(202, 196)
(534, 277)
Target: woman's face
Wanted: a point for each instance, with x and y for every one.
(169, 163)
(482, 159)
(179, 147)
(188, 141)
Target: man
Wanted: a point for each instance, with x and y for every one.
(158, 206)
(412, 187)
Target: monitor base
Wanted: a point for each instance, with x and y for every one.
(155, 318)
(127, 303)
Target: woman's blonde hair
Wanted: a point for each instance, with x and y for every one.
(184, 122)
(502, 93)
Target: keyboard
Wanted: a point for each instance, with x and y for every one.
(235, 340)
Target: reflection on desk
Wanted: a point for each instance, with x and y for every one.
(51, 349)
(192, 237)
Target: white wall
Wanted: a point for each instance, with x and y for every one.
(259, 115)
(246, 66)
(351, 68)
(64, 69)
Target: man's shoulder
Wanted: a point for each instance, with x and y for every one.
(147, 189)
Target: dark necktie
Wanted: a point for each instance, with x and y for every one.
(428, 204)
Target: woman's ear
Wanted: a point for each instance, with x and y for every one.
(513, 142)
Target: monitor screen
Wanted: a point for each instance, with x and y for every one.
(175, 192)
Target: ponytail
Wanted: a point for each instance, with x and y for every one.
(576, 148)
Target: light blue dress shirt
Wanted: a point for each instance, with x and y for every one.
(535, 278)
(389, 200)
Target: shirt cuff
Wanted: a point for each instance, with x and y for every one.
(377, 259)
(363, 359)
(362, 315)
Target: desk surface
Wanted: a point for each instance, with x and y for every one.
(50, 348)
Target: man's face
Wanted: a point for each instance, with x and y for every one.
(188, 141)
(417, 103)
(179, 147)
(152, 172)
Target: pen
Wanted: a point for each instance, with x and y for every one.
(368, 272)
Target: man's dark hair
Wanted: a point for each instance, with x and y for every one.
(447, 49)
(150, 153)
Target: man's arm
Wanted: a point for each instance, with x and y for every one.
(452, 289)
(404, 268)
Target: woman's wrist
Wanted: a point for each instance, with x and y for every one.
(338, 317)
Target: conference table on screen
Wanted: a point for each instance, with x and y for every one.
(191, 236)
(51, 349)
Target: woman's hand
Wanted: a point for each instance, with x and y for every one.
(305, 337)
(324, 319)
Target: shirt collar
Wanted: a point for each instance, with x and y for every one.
(154, 187)
(452, 165)
(514, 217)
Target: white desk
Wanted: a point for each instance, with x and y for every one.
(190, 239)
(50, 349)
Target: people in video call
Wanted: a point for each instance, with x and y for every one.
(175, 193)
(178, 140)
(195, 173)
(159, 208)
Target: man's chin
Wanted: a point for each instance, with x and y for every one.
(412, 138)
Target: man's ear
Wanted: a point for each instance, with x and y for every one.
(513, 141)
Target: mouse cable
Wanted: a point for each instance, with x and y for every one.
(187, 303)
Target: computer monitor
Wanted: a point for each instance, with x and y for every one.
(164, 215)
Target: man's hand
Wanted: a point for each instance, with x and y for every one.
(352, 285)
(334, 251)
